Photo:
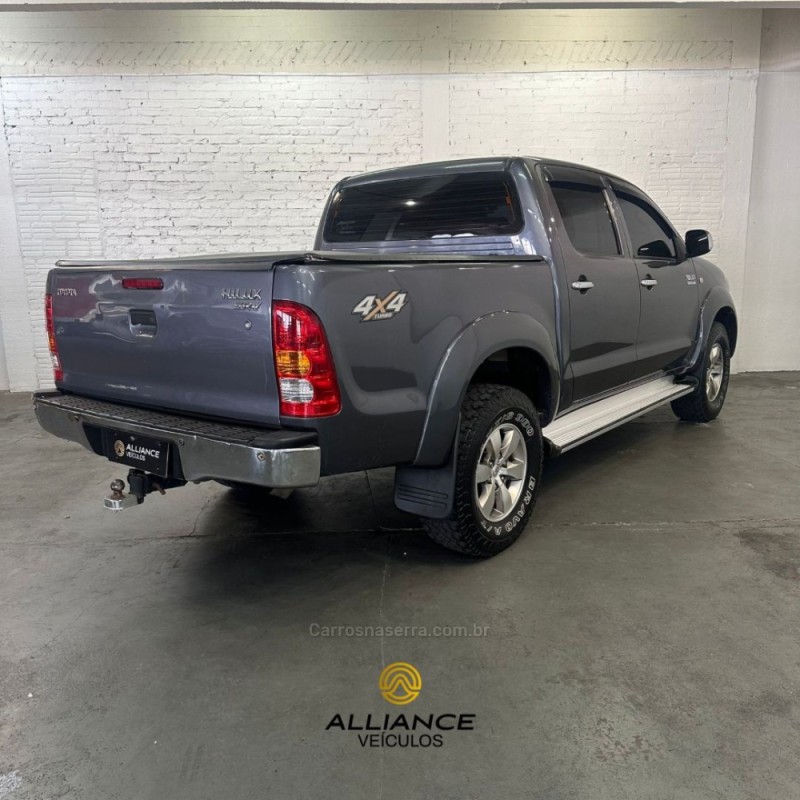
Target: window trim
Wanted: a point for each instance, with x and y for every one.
(599, 186)
(505, 176)
(615, 186)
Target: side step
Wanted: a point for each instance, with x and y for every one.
(589, 421)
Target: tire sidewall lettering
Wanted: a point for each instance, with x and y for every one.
(525, 424)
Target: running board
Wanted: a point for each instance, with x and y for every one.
(585, 423)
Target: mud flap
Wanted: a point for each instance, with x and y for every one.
(424, 491)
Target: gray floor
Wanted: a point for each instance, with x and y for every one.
(643, 636)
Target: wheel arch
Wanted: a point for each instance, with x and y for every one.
(717, 306)
(508, 348)
(521, 368)
(727, 316)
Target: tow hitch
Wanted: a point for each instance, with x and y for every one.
(140, 484)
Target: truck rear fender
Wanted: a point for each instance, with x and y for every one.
(497, 348)
(520, 339)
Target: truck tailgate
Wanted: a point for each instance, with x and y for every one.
(182, 335)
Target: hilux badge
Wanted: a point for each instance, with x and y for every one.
(244, 299)
(373, 308)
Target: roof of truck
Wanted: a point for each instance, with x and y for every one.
(483, 164)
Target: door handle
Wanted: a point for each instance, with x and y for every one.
(649, 282)
(582, 285)
(142, 322)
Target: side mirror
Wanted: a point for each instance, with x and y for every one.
(698, 243)
(655, 249)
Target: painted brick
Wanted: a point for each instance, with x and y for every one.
(149, 172)
(123, 141)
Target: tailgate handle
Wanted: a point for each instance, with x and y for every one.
(143, 322)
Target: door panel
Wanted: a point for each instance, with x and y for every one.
(668, 323)
(667, 280)
(603, 284)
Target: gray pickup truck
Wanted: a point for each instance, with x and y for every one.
(456, 321)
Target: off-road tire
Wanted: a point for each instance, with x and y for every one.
(467, 530)
(698, 406)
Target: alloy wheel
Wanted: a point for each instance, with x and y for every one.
(500, 472)
(715, 373)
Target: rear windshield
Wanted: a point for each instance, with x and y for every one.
(440, 207)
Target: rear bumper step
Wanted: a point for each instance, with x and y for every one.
(603, 415)
(205, 449)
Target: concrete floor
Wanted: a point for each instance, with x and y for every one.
(642, 635)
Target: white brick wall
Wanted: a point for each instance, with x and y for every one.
(176, 132)
(141, 166)
(667, 133)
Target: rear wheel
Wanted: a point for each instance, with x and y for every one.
(706, 401)
(498, 470)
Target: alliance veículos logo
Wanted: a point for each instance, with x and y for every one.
(134, 451)
(400, 684)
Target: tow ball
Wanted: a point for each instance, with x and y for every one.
(140, 484)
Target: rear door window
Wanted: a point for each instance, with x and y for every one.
(586, 217)
(437, 207)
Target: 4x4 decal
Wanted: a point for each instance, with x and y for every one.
(373, 308)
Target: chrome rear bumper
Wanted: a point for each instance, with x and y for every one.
(205, 449)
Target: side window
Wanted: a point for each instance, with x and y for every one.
(651, 236)
(586, 218)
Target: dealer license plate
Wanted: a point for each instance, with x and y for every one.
(150, 455)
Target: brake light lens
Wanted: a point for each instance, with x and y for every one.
(142, 283)
(58, 372)
(303, 362)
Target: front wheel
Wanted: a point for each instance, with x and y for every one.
(498, 471)
(706, 401)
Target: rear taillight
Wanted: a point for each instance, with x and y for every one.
(58, 373)
(306, 377)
